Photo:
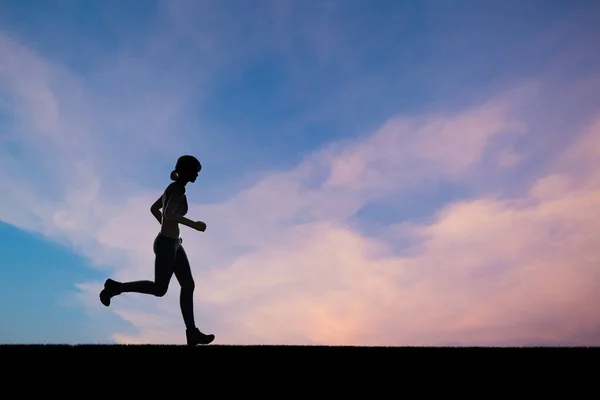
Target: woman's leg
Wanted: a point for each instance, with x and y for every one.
(165, 251)
(183, 273)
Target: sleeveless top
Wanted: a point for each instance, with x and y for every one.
(182, 207)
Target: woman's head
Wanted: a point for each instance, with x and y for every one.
(186, 169)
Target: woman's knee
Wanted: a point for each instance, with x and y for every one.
(161, 290)
(188, 286)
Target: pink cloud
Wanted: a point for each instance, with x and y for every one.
(492, 270)
(281, 262)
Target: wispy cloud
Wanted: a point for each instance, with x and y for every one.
(292, 257)
(490, 269)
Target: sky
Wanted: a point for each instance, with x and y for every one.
(375, 173)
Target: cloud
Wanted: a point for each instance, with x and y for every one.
(284, 262)
(287, 260)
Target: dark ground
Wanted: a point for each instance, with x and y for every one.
(333, 355)
(121, 371)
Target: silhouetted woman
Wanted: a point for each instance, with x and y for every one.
(170, 256)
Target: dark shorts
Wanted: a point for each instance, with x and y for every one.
(167, 247)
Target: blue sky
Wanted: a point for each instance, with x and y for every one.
(340, 141)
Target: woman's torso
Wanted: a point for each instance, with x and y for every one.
(169, 227)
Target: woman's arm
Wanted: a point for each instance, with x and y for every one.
(155, 209)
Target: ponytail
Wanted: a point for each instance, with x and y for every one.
(174, 175)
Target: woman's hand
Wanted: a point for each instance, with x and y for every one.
(199, 226)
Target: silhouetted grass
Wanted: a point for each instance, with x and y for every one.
(270, 351)
(300, 366)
